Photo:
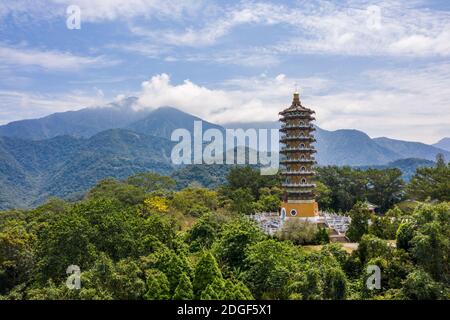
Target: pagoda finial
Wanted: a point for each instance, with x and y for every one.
(296, 101)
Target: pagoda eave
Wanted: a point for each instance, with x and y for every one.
(298, 161)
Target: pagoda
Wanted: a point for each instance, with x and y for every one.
(297, 161)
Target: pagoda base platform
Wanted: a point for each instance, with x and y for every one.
(299, 209)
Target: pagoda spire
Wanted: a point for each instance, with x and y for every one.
(296, 99)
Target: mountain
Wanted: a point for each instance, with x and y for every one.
(340, 147)
(443, 144)
(407, 149)
(350, 147)
(31, 171)
(81, 123)
(407, 166)
(355, 148)
(163, 121)
(36, 168)
(90, 121)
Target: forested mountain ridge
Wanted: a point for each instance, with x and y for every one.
(408, 149)
(67, 165)
(407, 166)
(356, 148)
(85, 122)
(31, 171)
(339, 147)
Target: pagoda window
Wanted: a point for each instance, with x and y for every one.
(302, 157)
(302, 145)
(303, 181)
(303, 169)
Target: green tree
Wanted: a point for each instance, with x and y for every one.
(334, 284)
(347, 186)
(247, 178)
(195, 201)
(431, 249)
(172, 264)
(385, 187)
(404, 235)
(235, 239)
(433, 183)
(322, 236)
(359, 224)
(269, 266)
(323, 195)
(306, 285)
(206, 271)
(205, 231)
(298, 231)
(222, 289)
(370, 247)
(426, 236)
(17, 260)
(150, 181)
(420, 286)
(380, 227)
(121, 280)
(184, 290)
(67, 241)
(113, 189)
(268, 203)
(242, 201)
(157, 285)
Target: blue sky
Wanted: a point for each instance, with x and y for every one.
(378, 66)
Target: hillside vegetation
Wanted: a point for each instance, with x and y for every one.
(144, 238)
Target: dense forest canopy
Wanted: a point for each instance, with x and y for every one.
(147, 237)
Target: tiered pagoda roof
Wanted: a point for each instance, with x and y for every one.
(297, 150)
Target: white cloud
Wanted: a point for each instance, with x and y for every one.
(100, 10)
(402, 104)
(241, 99)
(19, 105)
(218, 26)
(405, 104)
(350, 27)
(50, 60)
(158, 91)
(355, 28)
(23, 11)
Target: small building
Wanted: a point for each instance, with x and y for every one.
(372, 207)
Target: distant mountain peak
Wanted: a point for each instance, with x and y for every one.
(80, 123)
(162, 121)
(444, 143)
(409, 149)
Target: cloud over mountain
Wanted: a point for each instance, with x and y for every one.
(394, 107)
